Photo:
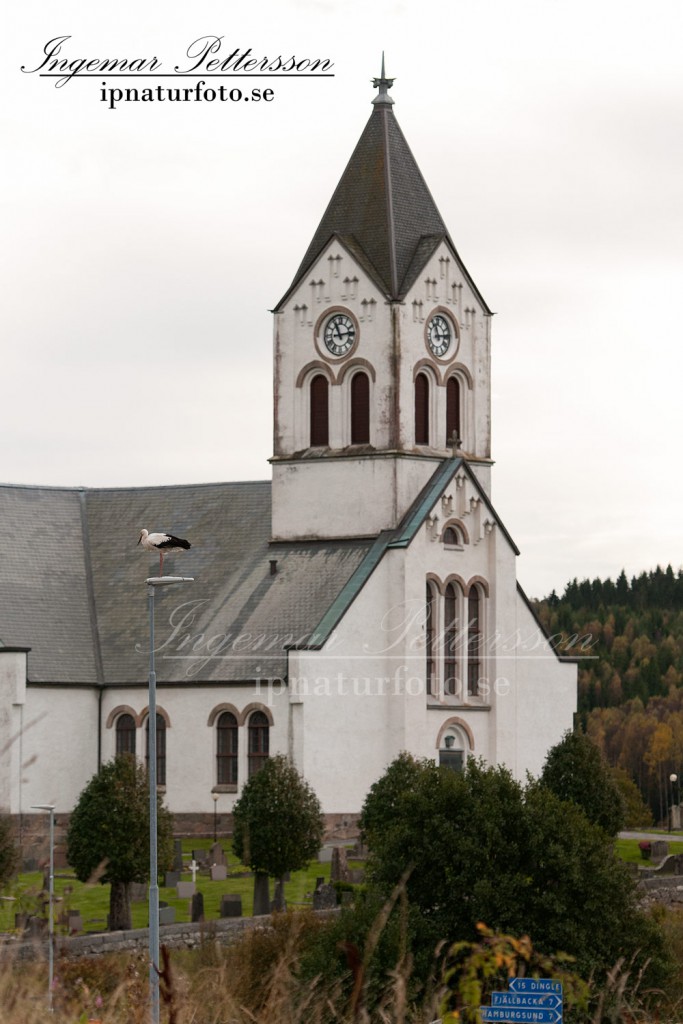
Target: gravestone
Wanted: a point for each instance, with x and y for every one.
(185, 890)
(325, 898)
(177, 855)
(138, 892)
(74, 921)
(171, 879)
(339, 870)
(197, 908)
(261, 895)
(219, 872)
(325, 855)
(166, 915)
(217, 855)
(660, 849)
(201, 857)
(320, 880)
(278, 897)
(231, 905)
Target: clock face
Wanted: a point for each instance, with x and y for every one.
(339, 334)
(439, 335)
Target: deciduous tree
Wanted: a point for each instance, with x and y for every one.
(576, 771)
(108, 837)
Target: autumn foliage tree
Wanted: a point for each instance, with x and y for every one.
(108, 837)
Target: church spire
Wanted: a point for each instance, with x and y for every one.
(383, 84)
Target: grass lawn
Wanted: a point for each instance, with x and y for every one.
(93, 900)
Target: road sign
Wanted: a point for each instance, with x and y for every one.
(522, 1014)
(542, 1000)
(535, 985)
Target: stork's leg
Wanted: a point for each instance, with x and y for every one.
(161, 563)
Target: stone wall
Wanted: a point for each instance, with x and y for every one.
(174, 936)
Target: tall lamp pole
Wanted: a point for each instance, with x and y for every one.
(51, 891)
(153, 582)
(214, 797)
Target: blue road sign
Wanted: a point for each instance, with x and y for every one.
(522, 1014)
(535, 985)
(542, 1000)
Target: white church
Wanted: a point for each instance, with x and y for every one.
(363, 603)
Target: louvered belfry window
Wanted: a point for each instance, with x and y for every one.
(421, 409)
(320, 416)
(360, 409)
(452, 409)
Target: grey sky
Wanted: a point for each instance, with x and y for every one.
(143, 247)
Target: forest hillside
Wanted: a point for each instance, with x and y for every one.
(629, 636)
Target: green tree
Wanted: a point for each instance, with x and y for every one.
(575, 771)
(277, 822)
(636, 812)
(482, 847)
(9, 855)
(108, 837)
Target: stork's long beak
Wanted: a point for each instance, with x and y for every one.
(139, 539)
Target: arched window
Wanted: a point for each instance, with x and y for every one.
(226, 749)
(125, 735)
(452, 751)
(430, 636)
(450, 537)
(320, 416)
(161, 749)
(258, 741)
(450, 633)
(421, 409)
(452, 410)
(473, 641)
(360, 409)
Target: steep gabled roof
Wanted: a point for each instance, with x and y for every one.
(382, 208)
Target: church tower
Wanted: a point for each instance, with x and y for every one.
(381, 351)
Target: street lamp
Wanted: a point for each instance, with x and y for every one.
(51, 890)
(673, 779)
(214, 797)
(153, 582)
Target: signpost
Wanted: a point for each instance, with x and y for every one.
(527, 1001)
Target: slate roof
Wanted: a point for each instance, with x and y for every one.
(72, 583)
(382, 211)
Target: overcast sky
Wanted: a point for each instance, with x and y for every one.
(144, 246)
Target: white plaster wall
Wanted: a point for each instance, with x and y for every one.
(345, 497)
(59, 745)
(12, 700)
(191, 742)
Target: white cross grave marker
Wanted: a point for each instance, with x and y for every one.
(194, 868)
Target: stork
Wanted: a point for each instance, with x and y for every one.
(163, 543)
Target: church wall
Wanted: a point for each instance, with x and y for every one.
(12, 701)
(59, 745)
(191, 741)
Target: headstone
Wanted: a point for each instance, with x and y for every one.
(171, 879)
(278, 897)
(177, 855)
(659, 849)
(320, 880)
(194, 868)
(261, 895)
(197, 908)
(185, 890)
(339, 871)
(74, 921)
(201, 857)
(325, 898)
(325, 855)
(217, 855)
(138, 892)
(231, 905)
(219, 872)
(166, 915)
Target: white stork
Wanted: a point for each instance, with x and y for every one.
(162, 542)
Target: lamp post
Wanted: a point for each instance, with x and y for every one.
(153, 582)
(51, 890)
(214, 797)
(673, 779)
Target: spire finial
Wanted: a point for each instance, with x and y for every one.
(383, 84)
